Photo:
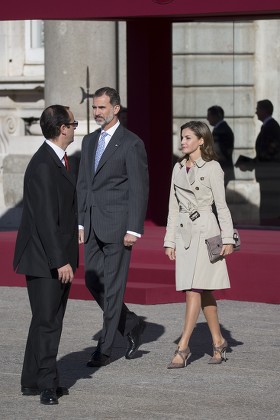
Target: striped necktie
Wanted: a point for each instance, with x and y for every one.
(100, 149)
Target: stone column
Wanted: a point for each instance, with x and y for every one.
(71, 47)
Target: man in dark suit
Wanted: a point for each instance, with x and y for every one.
(266, 164)
(46, 251)
(223, 140)
(112, 199)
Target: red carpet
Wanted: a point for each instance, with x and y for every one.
(253, 270)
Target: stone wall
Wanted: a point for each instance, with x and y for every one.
(227, 64)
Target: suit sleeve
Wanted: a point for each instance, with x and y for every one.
(44, 193)
(138, 186)
(268, 146)
(82, 187)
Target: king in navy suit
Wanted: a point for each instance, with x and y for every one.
(112, 188)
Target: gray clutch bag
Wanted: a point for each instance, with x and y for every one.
(214, 246)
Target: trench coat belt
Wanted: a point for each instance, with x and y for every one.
(187, 234)
(199, 209)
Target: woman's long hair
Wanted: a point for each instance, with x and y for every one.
(201, 130)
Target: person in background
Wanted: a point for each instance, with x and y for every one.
(113, 187)
(198, 181)
(266, 164)
(223, 140)
(46, 251)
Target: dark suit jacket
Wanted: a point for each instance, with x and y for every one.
(267, 161)
(224, 142)
(48, 234)
(114, 199)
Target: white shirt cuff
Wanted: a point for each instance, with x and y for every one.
(134, 233)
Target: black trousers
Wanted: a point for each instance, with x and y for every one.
(48, 298)
(106, 270)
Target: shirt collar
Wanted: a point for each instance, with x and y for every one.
(112, 129)
(266, 120)
(59, 152)
(218, 123)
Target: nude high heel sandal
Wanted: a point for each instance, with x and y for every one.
(184, 354)
(222, 350)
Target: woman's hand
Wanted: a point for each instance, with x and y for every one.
(226, 249)
(171, 253)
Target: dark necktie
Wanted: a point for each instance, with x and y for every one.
(66, 162)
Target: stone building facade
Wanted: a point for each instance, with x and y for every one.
(232, 64)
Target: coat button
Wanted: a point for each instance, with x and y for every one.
(181, 225)
(202, 178)
(197, 188)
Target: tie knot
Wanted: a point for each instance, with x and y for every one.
(103, 135)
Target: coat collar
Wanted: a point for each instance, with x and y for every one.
(59, 163)
(189, 178)
(199, 162)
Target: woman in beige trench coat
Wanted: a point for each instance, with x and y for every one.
(198, 182)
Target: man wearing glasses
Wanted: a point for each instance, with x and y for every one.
(47, 251)
(112, 199)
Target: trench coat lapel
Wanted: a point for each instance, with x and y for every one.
(184, 180)
(181, 179)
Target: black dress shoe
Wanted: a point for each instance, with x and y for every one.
(98, 359)
(134, 339)
(27, 391)
(60, 391)
(48, 396)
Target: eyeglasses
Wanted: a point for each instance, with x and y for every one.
(74, 123)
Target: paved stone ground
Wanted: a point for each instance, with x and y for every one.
(245, 387)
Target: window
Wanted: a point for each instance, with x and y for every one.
(34, 41)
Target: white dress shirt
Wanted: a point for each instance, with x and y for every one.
(58, 151)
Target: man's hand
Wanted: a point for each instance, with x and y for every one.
(81, 236)
(65, 274)
(242, 167)
(129, 239)
(245, 163)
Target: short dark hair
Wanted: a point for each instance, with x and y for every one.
(217, 111)
(266, 105)
(52, 118)
(112, 93)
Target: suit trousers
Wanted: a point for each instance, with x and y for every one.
(106, 270)
(48, 298)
